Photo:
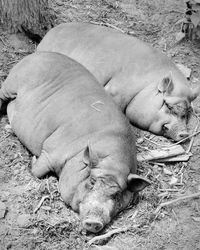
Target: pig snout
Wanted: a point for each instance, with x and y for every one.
(182, 135)
(94, 218)
(176, 132)
(93, 224)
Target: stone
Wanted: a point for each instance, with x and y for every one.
(140, 140)
(167, 171)
(23, 220)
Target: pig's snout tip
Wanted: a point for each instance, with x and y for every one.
(92, 225)
(182, 135)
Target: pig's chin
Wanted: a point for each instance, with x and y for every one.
(94, 219)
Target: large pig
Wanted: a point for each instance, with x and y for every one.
(65, 118)
(145, 83)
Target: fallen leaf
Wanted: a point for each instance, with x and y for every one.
(185, 70)
(166, 171)
(23, 220)
(8, 128)
(105, 248)
(197, 219)
(47, 208)
(179, 158)
(173, 180)
(160, 154)
(179, 36)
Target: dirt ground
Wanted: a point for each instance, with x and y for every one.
(26, 225)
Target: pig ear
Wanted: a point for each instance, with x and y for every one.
(194, 93)
(166, 85)
(137, 183)
(90, 157)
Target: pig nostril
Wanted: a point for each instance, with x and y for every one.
(98, 228)
(88, 225)
(183, 135)
(92, 226)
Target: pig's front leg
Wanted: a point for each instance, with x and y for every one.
(40, 165)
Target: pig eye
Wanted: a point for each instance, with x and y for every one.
(168, 106)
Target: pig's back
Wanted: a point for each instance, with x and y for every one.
(57, 94)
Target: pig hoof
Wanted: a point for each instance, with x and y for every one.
(92, 225)
(39, 166)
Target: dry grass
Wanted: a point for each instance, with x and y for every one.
(53, 226)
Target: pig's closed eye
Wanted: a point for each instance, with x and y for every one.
(168, 106)
(116, 195)
(186, 117)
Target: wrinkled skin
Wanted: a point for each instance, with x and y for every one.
(103, 200)
(101, 192)
(142, 81)
(64, 117)
(172, 115)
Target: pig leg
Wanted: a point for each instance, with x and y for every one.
(2, 102)
(40, 166)
(5, 96)
(8, 88)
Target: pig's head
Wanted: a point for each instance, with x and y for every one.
(161, 110)
(100, 194)
(104, 198)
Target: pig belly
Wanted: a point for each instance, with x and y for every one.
(20, 126)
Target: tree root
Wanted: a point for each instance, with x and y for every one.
(107, 235)
(40, 203)
(167, 203)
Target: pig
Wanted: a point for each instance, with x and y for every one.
(75, 130)
(144, 82)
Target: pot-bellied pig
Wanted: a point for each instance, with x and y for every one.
(143, 81)
(65, 118)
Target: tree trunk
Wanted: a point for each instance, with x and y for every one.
(191, 24)
(34, 16)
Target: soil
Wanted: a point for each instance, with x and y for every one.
(26, 225)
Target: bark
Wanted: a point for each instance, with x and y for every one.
(191, 24)
(34, 16)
